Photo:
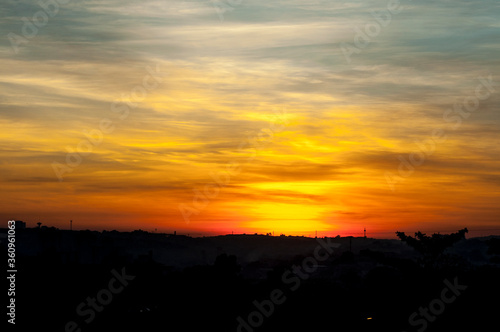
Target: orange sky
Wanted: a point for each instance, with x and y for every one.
(172, 97)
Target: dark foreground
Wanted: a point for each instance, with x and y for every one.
(111, 281)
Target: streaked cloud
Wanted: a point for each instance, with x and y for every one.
(348, 122)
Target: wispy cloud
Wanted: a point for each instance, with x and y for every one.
(348, 122)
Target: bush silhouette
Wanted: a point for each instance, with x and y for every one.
(432, 246)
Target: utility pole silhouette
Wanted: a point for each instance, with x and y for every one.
(365, 232)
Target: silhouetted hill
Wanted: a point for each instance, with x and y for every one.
(179, 283)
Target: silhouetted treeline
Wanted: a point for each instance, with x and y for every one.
(375, 286)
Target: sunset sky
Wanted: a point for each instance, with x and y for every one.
(186, 92)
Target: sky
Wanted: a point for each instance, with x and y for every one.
(212, 117)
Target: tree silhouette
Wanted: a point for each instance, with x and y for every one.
(432, 246)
